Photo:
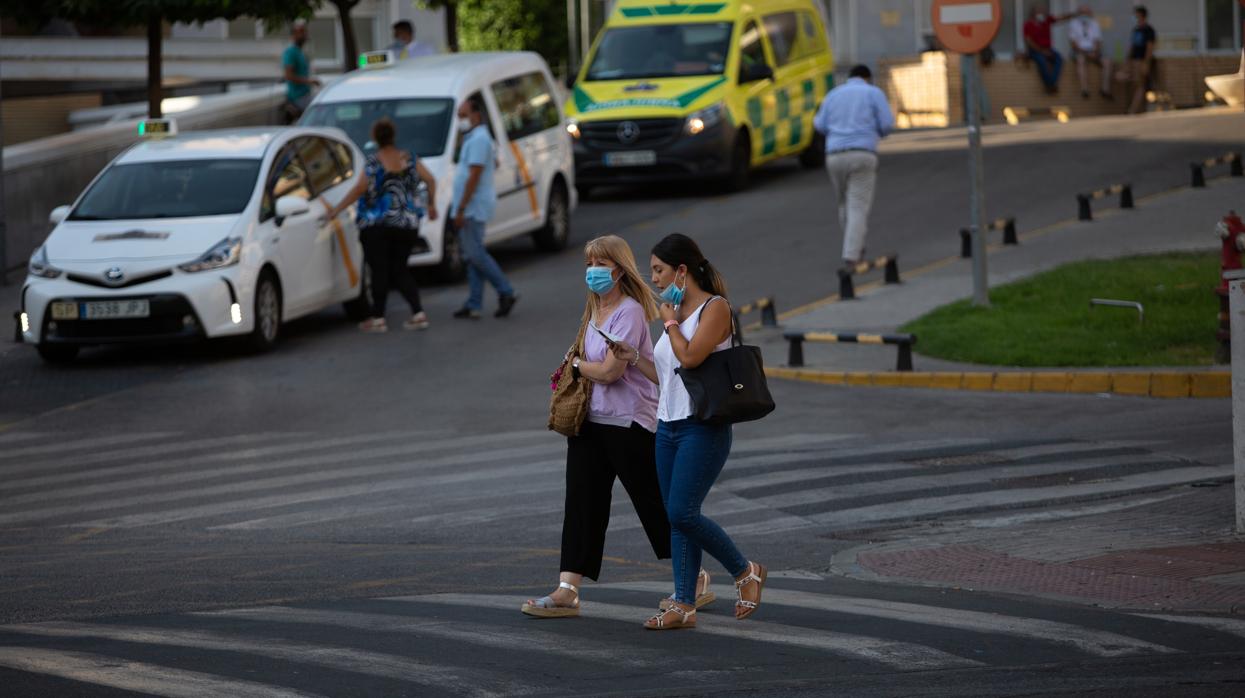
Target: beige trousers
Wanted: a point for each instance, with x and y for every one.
(853, 175)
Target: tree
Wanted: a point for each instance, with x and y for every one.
(451, 19)
(153, 14)
(351, 44)
(506, 25)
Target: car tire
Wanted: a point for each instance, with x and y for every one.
(453, 268)
(557, 229)
(267, 313)
(360, 308)
(814, 155)
(58, 353)
(741, 164)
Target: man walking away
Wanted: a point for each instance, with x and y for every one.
(1086, 38)
(404, 44)
(473, 204)
(298, 80)
(1141, 57)
(853, 117)
(1037, 40)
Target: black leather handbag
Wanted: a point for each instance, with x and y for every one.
(729, 386)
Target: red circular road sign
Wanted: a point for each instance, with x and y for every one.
(966, 26)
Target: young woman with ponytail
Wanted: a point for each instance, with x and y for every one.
(690, 454)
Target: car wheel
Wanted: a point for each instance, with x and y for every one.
(58, 353)
(267, 311)
(814, 155)
(557, 230)
(453, 268)
(741, 164)
(360, 308)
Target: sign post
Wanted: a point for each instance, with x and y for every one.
(1236, 315)
(967, 27)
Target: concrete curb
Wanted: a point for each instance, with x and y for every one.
(1138, 383)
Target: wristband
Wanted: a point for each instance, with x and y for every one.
(671, 323)
(636, 361)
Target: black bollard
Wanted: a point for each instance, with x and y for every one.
(1084, 212)
(1126, 196)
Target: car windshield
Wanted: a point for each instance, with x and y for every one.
(422, 124)
(169, 189)
(661, 51)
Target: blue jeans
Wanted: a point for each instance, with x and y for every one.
(690, 455)
(480, 264)
(1048, 67)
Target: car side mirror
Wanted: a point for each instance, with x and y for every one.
(756, 72)
(291, 205)
(59, 214)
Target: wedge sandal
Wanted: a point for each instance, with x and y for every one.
(546, 607)
(704, 598)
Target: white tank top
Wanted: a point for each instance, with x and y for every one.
(673, 403)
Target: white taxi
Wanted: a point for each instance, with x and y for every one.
(535, 176)
(195, 235)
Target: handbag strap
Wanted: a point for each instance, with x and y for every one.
(736, 340)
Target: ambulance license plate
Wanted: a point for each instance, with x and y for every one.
(631, 158)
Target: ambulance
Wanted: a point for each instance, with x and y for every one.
(699, 90)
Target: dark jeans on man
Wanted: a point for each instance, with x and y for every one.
(593, 459)
(386, 250)
(1048, 67)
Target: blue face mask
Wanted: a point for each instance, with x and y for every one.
(672, 294)
(599, 279)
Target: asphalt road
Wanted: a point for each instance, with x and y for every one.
(362, 514)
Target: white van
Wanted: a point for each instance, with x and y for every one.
(535, 168)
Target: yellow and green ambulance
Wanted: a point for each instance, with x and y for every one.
(699, 89)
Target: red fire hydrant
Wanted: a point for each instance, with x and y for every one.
(1232, 232)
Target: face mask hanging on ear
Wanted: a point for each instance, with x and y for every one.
(672, 294)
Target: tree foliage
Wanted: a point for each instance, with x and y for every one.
(514, 25)
(118, 13)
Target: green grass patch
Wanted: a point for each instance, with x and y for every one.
(1047, 320)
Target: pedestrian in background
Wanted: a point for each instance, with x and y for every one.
(472, 207)
(297, 73)
(853, 117)
(1086, 37)
(1041, 51)
(616, 440)
(404, 43)
(1141, 58)
(690, 453)
(388, 219)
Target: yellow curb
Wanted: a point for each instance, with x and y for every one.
(1158, 384)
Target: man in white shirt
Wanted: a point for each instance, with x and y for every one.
(1086, 38)
(404, 43)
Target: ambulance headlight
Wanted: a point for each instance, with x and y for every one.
(572, 127)
(40, 267)
(225, 253)
(704, 119)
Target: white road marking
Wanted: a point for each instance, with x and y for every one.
(1067, 513)
(900, 655)
(1096, 642)
(61, 447)
(10, 437)
(1232, 626)
(783, 477)
(136, 676)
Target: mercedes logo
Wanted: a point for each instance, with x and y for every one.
(114, 275)
(628, 132)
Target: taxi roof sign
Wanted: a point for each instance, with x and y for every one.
(376, 59)
(157, 128)
(966, 26)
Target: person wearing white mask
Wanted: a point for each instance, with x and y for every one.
(472, 207)
(1086, 38)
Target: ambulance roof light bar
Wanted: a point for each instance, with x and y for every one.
(157, 128)
(371, 60)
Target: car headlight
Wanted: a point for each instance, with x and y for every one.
(40, 267)
(704, 119)
(572, 127)
(225, 253)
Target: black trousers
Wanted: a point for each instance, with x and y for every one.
(386, 250)
(593, 459)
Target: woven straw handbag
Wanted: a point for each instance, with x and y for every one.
(569, 405)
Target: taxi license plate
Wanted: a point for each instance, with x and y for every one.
(631, 158)
(101, 310)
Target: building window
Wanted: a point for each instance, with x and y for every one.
(1222, 25)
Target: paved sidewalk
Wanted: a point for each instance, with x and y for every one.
(1183, 219)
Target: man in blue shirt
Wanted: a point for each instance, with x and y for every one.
(471, 208)
(297, 69)
(853, 117)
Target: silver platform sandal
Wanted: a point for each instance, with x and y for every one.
(546, 607)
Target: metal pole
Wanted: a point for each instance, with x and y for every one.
(976, 173)
(572, 40)
(585, 28)
(1236, 300)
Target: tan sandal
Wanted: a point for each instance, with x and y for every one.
(756, 575)
(703, 598)
(546, 607)
(662, 620)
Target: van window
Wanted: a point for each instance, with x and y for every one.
(751, 50)
(810, 40)
(527, 105)
(422, 124)
(661, 51)
(783, 33)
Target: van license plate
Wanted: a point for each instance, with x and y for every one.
(631, 158)
(108, 310)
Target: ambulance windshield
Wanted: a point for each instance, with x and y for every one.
(661, 51)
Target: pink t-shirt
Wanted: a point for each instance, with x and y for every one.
(632, 398)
